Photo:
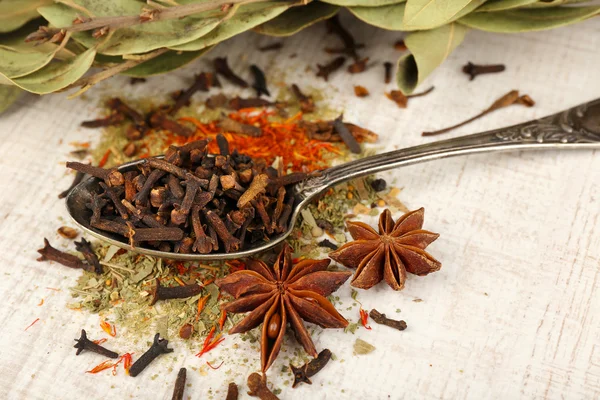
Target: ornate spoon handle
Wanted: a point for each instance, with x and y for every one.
(575, 128)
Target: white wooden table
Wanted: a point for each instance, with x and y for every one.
(513, 313)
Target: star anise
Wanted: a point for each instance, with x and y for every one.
(389, 254)
(281, 294)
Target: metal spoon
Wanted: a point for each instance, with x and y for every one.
(575, 128)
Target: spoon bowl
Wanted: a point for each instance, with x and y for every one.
(575, 128)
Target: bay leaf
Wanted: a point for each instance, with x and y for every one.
(388, 17)
(429, 14)
(135, 39)
(8, 95)
(362, 3)
(501, 5)
(297, 18)
(247, 17)
(166, 62)
(527, 20)
(58, 74)
(16, 13)
(553, 3)
(428, 49)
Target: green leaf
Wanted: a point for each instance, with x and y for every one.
(428, 14)
(501, 5)
(16, 13)
(386, 17)
(513, 21)
(135, 39)
(428, 50)
(8, 95)
(247, 17)
(57, 75)
(297, 18)
(553, 3)
(362, 3)
(166, 62)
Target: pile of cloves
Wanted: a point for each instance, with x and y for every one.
(191, 201)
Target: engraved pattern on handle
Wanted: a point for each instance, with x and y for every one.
(577, 127)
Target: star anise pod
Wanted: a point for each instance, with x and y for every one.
(281, 294)
(389, 254)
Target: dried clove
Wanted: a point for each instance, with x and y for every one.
(473, 69)
(230, 125)
(130, 149)
(49, 253)
(85, 248)
(83, 343)
(383, 320)
(258, 387)
(202, 82)
(115, 118)
(159, 346)
(135, 81)
(328, 69)
(271, 47)
(237, 103)
(112, 176)
(179, 385)
(303, 373)
(361, 91)
(388, 71)
(176, 292)
(346, 135)
(508, 99)
(222, 68)
(161, 121)
(328, 244)
(307, 105)
(76, 181)
(67, 233)
(401, 99)
(232, 392)
(119, 106)
(260, 82)
(350, 46)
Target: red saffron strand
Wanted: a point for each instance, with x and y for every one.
(33, 323)
(364, 318)
(207, 363)
(104, 159)
(108, 328)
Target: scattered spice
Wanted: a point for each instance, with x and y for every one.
(508, 99)
(361, 91)
(383, 320)
(350, 46)
(114, 118)
(32, 324)
(271, 47)
(374, 260)
(49, 253)
(210, 342)
(358, 66)
(361, 347)
(179, 388)
(222, 68)
(379, 184)
(303, 288)
(67, 232)
(364, 318)
(135, 81)
(473, 69)
(346, 135)
(258, 387)
(108, 328)
(159, 346)
(232, 392)
(388, 71)
(309, 369)
(85, 248)
(215, 368)
(83, 343)
(327, 69)
(260, 81)
(307, 104)
(400, 45)
(177, 292)
(78, 178)
(328, 244)
(401, 99)
(186, 331)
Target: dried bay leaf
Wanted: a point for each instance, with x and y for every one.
(135, 39)
(297, 18)
(166, 62)
(57, 75)
(247, 17)
(501, 5)
(16, 13)
(429, 14)
(363, 3)
(428, 49)
(387, 17)
(553, 3)
(8, 95)
(527, 20)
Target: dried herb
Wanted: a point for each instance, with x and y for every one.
(222, 68)
(281, 294)
(375, 260)
(258, 387)
(361, 347)
(309, 369)
(179, 388)
(508, 99)
(383, 320)
(473, 69)
(327, 69)
(402, 100)
(361, 91)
